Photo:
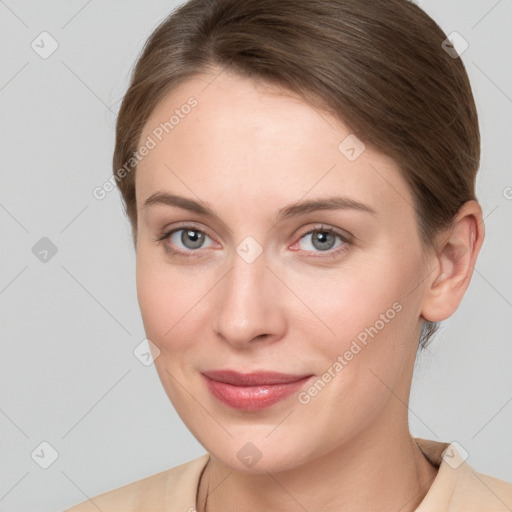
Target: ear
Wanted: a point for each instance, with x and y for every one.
(455, 257)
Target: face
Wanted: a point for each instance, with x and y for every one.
(236, 274)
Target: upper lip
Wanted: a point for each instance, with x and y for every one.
(259, 378)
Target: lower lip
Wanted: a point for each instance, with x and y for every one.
(253, 398)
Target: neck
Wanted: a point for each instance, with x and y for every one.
(382, 470)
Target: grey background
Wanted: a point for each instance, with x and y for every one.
(69, 326)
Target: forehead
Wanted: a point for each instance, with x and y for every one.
(238, 140)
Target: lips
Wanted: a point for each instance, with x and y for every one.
(252, 391)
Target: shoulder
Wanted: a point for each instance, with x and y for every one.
(172, 489)
(477, 492)
(457, 486)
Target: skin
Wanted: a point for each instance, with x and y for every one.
(248, 150)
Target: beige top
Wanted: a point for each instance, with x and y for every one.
(456, 488)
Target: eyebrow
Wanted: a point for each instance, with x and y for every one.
(293, 210)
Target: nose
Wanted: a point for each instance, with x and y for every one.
(249, 302)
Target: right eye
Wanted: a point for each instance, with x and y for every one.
(184, 241)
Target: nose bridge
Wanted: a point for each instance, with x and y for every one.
(248, 305)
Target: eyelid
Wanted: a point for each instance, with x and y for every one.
(168, 231)
(344, 235)
(180, 253)
(346, 238)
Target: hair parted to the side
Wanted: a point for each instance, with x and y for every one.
(378, 66)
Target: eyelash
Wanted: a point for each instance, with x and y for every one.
(330, 253)
(345, 238)
(181, 254)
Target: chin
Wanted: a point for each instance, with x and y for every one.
(267, 464)
(259, 456)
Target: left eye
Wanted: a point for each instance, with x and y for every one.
(322, 240)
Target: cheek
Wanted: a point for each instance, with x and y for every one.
(166, 300)
(152, 295)
(365, 358)
(354, 303)
(171, 300)
(162, 298)
(372, 321)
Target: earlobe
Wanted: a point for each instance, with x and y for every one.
(455, 258)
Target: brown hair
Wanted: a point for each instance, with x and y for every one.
(378, 65)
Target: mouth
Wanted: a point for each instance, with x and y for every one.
(252, 391)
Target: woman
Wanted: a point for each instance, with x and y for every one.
(299, 176)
